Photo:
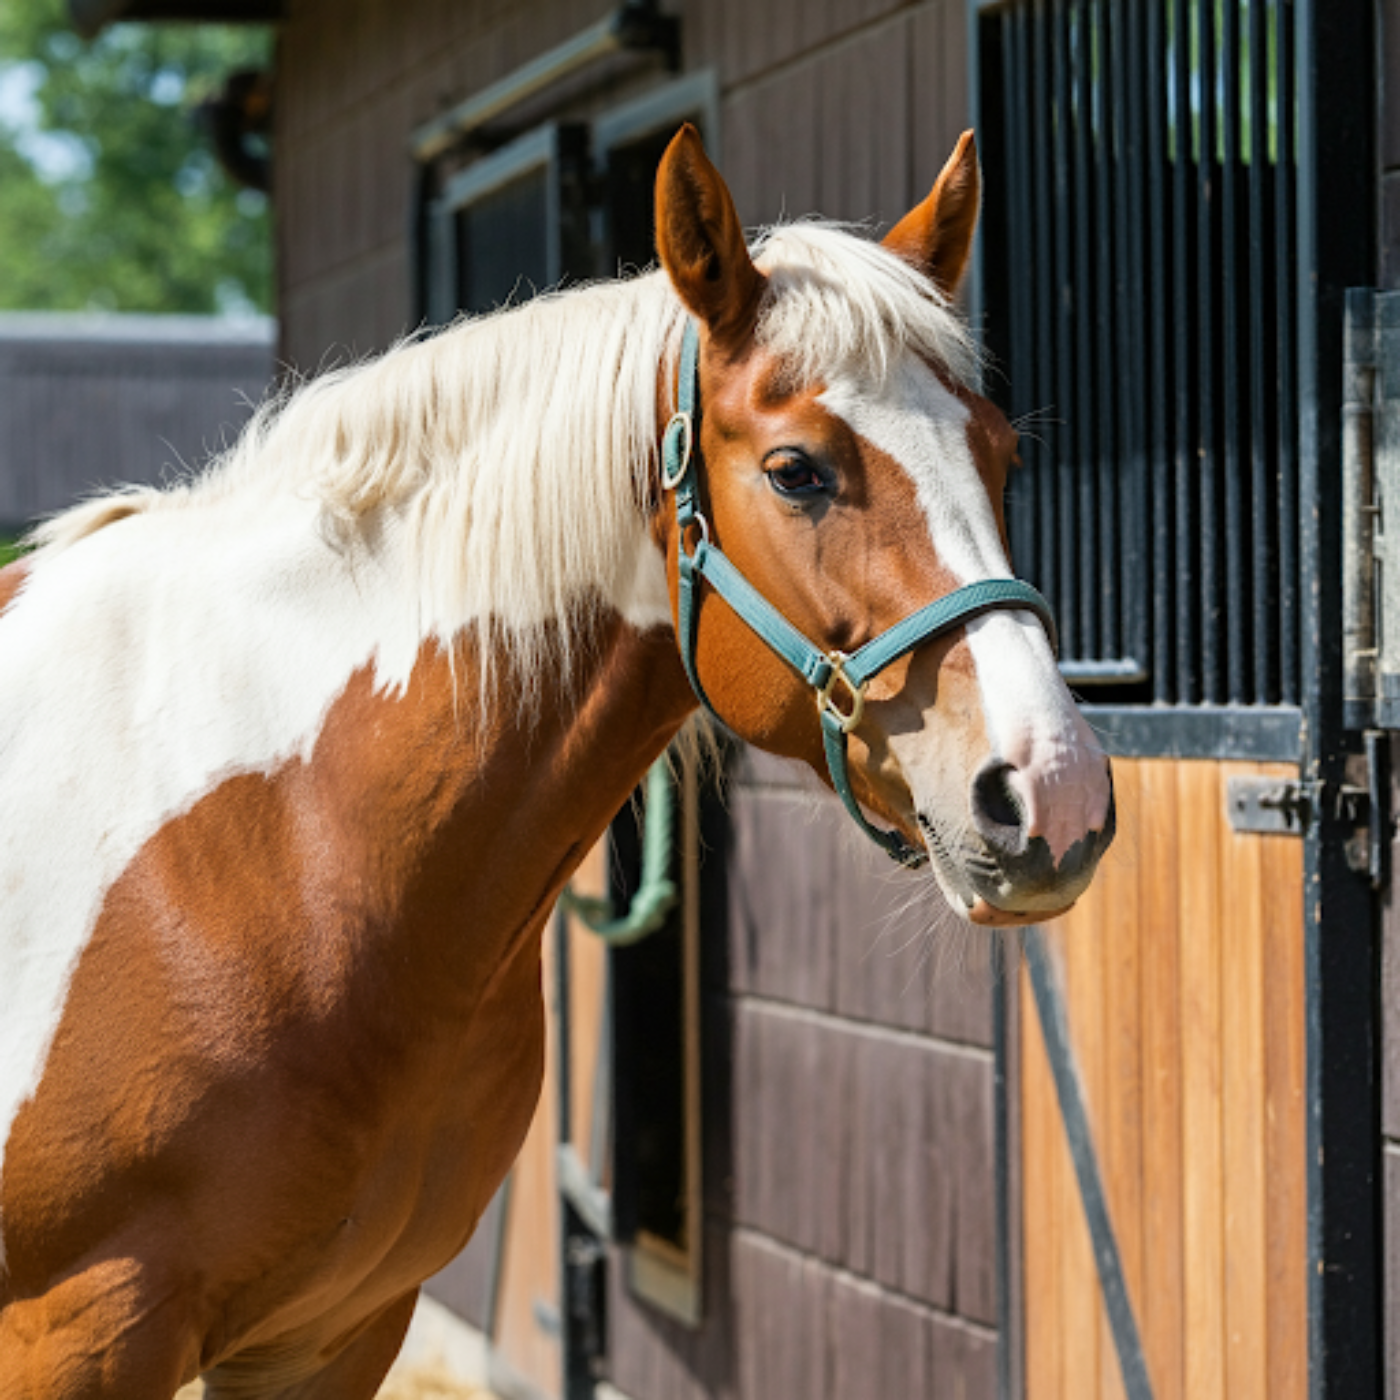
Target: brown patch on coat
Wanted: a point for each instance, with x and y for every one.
(305, 1039)
(12, 577)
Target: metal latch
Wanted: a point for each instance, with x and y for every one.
(1270, 806)
(1287, 807)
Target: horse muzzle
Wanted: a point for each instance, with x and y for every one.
(1005, 870)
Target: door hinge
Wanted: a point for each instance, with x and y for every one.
(1367, 811)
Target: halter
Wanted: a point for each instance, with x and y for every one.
(827, 672)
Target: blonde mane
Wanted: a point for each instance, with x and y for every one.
(517, 452)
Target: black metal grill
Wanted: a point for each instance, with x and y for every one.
(1141, 299)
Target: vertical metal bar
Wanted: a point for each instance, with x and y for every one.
(1159, 429)
(1087, 298)
(1286, 284)
(1039, 119)
(1358, 495)
(1262, 498)
(1102, 116)
(1336, 46)
(1188, 610)
(1065, 307)
(1023, 504)
(1207, 264)
(1134, 539)
(1235, 542)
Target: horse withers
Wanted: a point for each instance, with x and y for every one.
(295, 758)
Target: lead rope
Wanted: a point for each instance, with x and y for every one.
(657, 894)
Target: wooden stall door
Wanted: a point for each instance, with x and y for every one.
(1181, 975)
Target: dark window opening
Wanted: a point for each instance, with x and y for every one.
(1140, 299)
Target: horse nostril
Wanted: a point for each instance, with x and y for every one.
(996, 806)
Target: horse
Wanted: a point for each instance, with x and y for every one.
(297, 755)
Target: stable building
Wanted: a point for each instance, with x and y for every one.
(789, 1145)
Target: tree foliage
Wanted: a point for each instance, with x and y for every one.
(110, 197)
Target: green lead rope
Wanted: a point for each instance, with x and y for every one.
(657, 894)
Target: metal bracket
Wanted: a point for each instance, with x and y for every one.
(1371, 510)
(1269, 806)
(1286, 807)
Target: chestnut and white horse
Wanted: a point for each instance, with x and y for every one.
(295, 758)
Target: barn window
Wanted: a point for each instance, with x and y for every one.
(509, 225)
(1140, 291)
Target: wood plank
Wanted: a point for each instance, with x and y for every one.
(1075, 954)
(530, 1265)
(1242, 972)
(1202, 1149)
(1161, 1295)
(587, 981)
(1081, 944)
(1285, 1057)
(1042, 1163)
(1118, 1110)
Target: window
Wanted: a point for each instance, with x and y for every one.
(510, 225)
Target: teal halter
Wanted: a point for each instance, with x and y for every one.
(824, 671)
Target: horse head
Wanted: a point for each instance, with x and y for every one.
(851, 473)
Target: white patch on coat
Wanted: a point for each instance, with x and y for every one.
(149, 662)
(1031, 721)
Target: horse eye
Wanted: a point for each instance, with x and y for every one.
(792, 474)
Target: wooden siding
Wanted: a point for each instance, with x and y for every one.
(1183, 976)
(849, 1172)
(92, 401)
(849, 109)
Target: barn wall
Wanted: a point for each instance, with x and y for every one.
(850, 1209)
(96, 401)
(848, 108)
(850, 1220)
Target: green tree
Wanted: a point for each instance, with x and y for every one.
(110, 197)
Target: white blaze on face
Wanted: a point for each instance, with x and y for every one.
(1031, 722)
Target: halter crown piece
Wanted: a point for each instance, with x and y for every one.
(827, 672)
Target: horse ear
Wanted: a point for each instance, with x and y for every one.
(700, 241)
(936, 236)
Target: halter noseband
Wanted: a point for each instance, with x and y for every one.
(827, 672)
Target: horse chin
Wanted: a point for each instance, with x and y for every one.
(959, 887)
(990, 916)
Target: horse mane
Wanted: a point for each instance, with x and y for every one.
(516, 452)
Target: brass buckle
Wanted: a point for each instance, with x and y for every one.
(826, 705)
(683, 422)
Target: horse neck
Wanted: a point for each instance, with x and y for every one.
(474, 816)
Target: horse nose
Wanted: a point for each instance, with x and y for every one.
(1009, 813)
(998, 812)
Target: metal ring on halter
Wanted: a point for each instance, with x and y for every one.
(685, 425)
(696, 519)
(826, 705)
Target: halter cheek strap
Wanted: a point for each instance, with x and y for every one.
(838, 679)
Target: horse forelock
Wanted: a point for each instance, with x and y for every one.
(841, 305)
